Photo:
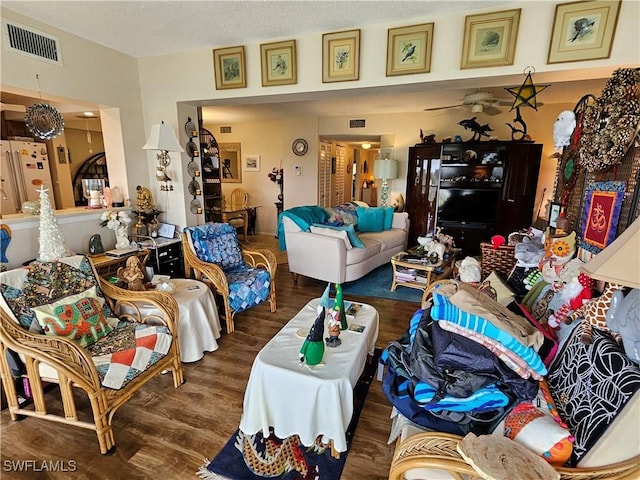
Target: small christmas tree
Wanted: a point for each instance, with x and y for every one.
(52, 246)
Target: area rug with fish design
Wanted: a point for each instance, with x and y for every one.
(254, 457)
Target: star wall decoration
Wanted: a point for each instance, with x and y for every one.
(526, 93)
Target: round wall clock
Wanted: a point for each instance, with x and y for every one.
(300, 146)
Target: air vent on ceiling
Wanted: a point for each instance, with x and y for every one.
(32, 43)
(225, 129)
(357, 123)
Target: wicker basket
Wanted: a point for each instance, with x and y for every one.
(500, 259)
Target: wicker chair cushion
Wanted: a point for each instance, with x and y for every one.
(78, 317)
(248, 287)
(44, 282)
(217, 243)
(128, 351)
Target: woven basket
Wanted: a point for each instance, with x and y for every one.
(500, 259)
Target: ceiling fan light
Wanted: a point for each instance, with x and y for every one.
(476, 108)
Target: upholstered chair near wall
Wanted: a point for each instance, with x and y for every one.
(242, 278)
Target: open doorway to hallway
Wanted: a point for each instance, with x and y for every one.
(345, 169)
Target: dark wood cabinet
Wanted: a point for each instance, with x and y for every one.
(471, 190)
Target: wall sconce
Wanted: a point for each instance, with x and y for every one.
(385, 169)
(163, 139)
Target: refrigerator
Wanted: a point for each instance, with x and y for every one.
(24, 167)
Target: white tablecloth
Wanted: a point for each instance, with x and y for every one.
(199, 323)
(294, 398)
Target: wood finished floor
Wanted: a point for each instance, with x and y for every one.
(167, 433)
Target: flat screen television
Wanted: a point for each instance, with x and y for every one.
(461, 205)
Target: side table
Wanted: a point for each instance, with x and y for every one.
(199, 323)
(419, 274)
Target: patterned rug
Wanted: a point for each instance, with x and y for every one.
(285, 459)
(377, 283)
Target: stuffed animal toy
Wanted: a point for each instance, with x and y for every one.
(623, 317)
(595, 314)
(557, 252)
(469, 270)
(569, 298)
(445, 239)
(528, 253)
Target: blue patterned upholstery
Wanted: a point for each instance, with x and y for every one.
(218, 243)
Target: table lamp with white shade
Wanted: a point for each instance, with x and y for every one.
(163, 138)
(385, 169)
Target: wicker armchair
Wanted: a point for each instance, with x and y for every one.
(434, 450)
(61, 361)
(243, 278)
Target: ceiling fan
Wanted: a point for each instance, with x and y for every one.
(480, 101)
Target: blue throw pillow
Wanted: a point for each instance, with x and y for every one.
(370, 219)
(351, 232)
(388, 217)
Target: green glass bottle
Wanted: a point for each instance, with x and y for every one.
(339, 305)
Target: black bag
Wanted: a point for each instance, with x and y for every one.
(456, 382)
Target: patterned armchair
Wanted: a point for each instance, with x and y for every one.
(57, 325)
(243, 278)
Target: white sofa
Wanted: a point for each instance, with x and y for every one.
(328, 258)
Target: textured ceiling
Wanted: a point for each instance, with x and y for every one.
(151, 28)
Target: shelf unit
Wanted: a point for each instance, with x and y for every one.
(211, 180)
(471, 190)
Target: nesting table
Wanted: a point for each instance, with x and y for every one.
(293, 398)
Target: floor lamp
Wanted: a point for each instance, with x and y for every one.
(385, 169)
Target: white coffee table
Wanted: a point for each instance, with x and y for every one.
(294, 398)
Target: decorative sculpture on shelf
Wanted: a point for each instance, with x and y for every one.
(477, 129)
(132, 274)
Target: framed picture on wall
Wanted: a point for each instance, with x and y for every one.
(341, 56)
(583, 31)
(278, 62)
(490, 39)
(554, 214)
(229, 67)
(251, 163)
(409, 49)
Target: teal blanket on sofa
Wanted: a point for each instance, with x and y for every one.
(304, 217)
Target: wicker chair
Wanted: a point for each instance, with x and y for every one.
(212, 254)
(59, 360)
(436, 450)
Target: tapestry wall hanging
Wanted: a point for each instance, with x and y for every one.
(600, 214)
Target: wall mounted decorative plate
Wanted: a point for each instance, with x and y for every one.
(300, 146)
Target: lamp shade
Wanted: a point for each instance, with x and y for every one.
(619, 262)
(162, 137)
(385, 168)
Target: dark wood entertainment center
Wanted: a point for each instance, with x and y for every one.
(471, 190)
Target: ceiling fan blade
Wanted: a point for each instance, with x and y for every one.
(492, 110)
(442, 108)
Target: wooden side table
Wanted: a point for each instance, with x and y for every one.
(107, 266)
(419, 274)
